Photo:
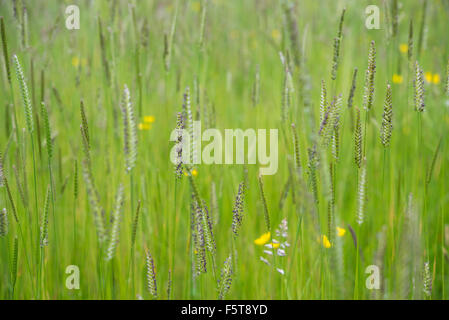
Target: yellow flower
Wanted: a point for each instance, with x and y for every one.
(273, 245)
(406, 130)
(263, 239)
(326, 242)
(428, 76)
(196, 6)
(403, 47)
(436, 78)
(144, 126)
(149, 119)
(194, 173)
(341, 232)
(397, 78)
(275, 34)
(75, 62)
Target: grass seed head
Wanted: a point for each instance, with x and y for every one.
(25, 95)
(5, 50)
(151, 275)
(115, 228)
(237, 211)
(358, 136)
(368, 97)
(387, 119)
(224, 284)
(44, 222)
(3, 223)
(418, 85)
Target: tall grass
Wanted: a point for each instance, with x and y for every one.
(88, 118)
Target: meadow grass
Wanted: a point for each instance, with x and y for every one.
(85, 171)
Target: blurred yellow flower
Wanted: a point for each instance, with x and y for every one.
(403, 47)
(75, 62)
(275, 34)
(273, 245)
(194, 173)
(436, 78)
(144, 126)
(432, 78)
(397, 78)
(341, 232)
(406, 130)
(326, 242)
(263, 239)
(196, 6)
(149, 119)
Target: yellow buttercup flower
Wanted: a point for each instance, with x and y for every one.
(144, 126)
(341, 232)
(436, 78)
(275, 34)
(397, 78)
(194, 173)
(326, 243)
(403, 47)
(274, 245)
(406, 130)
(149, 119)
(263, 239)
(75, 62)
(432, 78)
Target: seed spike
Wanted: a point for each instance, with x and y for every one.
(264, 202)
(151, 275)
(25, 95)
(387, 124)
(115, 228)
(418, 85)
(368, 97)
(44, 222)
(358, 139)
(5, 49)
